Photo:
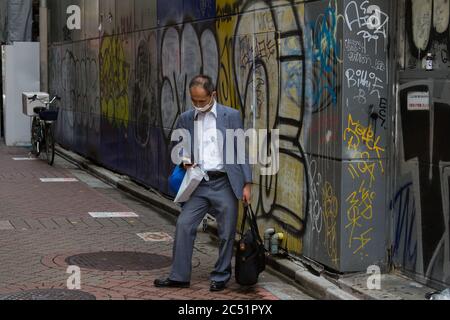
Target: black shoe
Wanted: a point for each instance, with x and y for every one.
(167, 283)
(217, 286)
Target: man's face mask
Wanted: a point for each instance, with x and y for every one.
(206, 107)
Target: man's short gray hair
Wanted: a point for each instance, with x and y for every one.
(204, 82)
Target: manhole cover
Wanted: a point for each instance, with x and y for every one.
(119, 261)
(49, 294)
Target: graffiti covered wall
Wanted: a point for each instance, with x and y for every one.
(347, 136)
(315, 70)
(420, 202)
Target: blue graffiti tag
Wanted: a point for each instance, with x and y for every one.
(325, 54)
(404, 208)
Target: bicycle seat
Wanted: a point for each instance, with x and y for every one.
(38, 110)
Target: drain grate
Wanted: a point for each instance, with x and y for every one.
(49, 295)
(119, 261)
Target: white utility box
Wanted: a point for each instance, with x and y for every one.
(29, 105)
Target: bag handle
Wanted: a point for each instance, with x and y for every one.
(244, 220)
(250, 214)
(254, 223)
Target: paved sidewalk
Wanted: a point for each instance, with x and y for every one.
(46, 227)
(394, 286)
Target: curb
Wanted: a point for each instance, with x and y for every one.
(316, 286)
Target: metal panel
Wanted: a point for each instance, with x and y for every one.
(125, 16)
(81, 107)
(116, 68)
(365, 82)
(3, 18)
(322, 240)
(56, 21)
(66, 118)
(363, 220)
(55, 86)
(93, 97)
(165, 164)
(404, 207)
(126, 150)
(420, 205)
(126, 65)
(145, 109)
(228, 8)
(170, 12)
(108, 151)
(322, 40)
(92, 76)
(92, 18)
(195, 10)
(55, 60)
(107, 16)
(146, 157)
(145, 14)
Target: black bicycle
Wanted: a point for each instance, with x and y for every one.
(42, 135)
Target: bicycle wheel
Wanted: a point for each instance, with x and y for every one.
(50, 144)
(35, 137)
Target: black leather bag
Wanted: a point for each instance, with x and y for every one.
(250, 254)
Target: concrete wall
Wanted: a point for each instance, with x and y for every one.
(316, 70)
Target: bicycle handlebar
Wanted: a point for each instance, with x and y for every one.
(35, 97)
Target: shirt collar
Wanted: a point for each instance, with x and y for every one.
(213, 111)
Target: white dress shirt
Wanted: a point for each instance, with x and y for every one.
(211, 157)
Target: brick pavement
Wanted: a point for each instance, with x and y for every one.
(42, 225)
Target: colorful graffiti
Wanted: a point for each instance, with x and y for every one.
(115, 74)
(326, 57)
(268, 62)
(283, 64)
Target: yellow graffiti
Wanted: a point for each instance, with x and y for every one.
(225, 26)
(364, 167)
(114, 78)
(361, 210)
(363, 240)
(365, 147)
(330, 213)
(358, 137)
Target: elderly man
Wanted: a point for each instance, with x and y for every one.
(227, 184)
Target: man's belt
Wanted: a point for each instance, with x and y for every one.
(214, 175)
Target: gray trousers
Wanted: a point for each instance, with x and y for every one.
(217, 195)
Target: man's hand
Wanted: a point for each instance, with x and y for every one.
(188, 166)
(247, 194)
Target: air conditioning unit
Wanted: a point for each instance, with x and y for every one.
(29, 105)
